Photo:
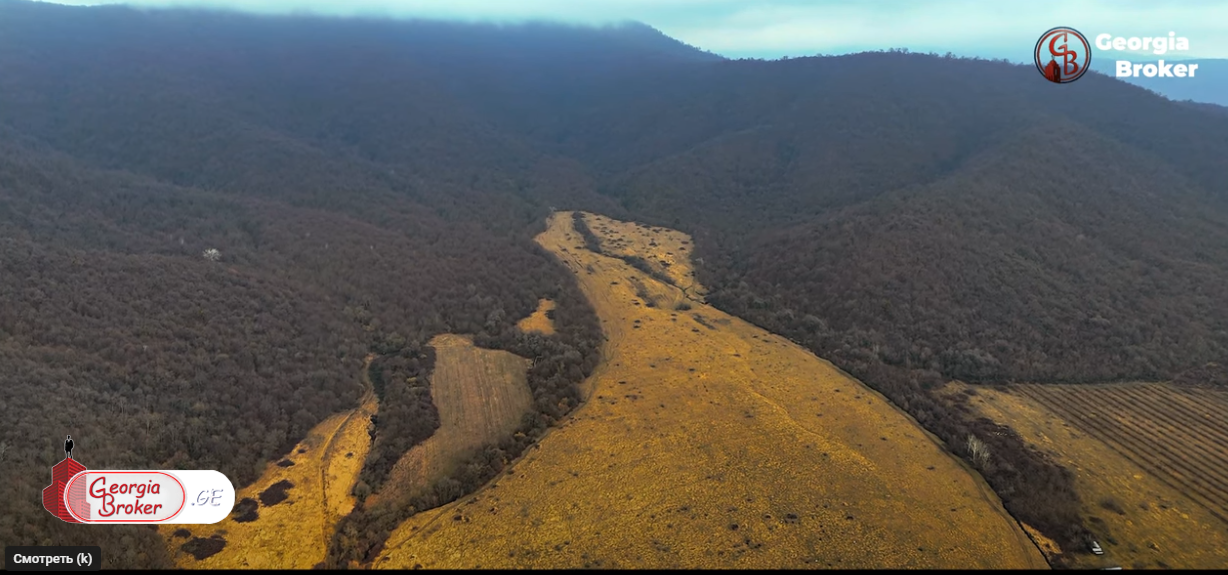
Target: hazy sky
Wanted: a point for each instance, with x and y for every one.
(774, 28)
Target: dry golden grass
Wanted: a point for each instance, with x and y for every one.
(293, 534)
(1125, 442)
(341, 468)
(667, 251)
(1047, 546)
(540, 320)
(481, 396)
(708, 442)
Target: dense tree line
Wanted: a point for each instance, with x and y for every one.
(591, 242)
(988, 276)
(401, 381)
(1209, 375)
(1210, 108)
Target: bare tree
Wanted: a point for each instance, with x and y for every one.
(980, 452)
(212, 255)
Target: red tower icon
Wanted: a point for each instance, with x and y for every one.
(1053, 72)
(53, 495)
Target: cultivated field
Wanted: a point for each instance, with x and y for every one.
(292, 533)
(540, 320)
(708, 442)
(1150, 460)
(667, 251)
(481, 395)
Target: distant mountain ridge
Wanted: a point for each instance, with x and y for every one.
(1212, 108)
(1209, 86)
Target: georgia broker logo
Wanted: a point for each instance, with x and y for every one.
(1063, 55)
(124, 497)
(1159, 46)
(79, 495)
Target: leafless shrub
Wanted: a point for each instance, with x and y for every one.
(1112, 504)
(979, 451)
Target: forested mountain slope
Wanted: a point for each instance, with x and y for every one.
(370, 184)
(1099, 200)
(1059, 256)
(122, 159)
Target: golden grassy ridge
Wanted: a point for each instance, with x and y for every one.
(708, 442)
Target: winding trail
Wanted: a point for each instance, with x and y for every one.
(293, 534)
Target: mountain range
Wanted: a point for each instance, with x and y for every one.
(370, 184)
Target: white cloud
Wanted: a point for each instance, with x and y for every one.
(796, 27)
(573, 10)
(995, 29)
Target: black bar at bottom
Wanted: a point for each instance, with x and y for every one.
(31, 558)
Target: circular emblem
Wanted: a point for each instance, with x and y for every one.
(1063, 55)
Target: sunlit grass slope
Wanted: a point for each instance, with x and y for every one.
(667, 251)
(708, 442)
(540, 319)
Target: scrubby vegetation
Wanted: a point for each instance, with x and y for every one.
(593, 244)
(203, 548)
(276, 493)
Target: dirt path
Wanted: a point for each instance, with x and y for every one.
(339, 504)
(294, 533)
